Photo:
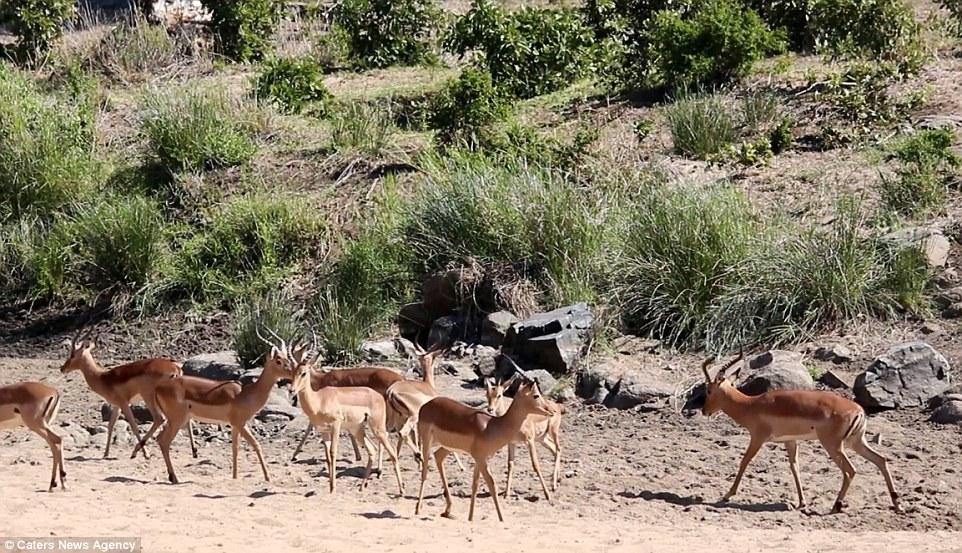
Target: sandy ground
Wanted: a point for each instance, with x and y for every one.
(630, 482)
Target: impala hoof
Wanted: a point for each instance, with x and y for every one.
(447, 515)
(837, 508)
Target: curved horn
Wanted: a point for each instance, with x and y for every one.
(518, 371)
(741, 355)
(257, 331)
(704, 367)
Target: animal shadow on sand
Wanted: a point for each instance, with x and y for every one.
(689, 500)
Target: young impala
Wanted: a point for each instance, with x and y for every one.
(788, 416)
(220, 402)
(35, 406)
(121, 385)
(351, 408)
(536, 429)
(455, 426)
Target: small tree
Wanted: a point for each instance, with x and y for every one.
(381, 33)
(37, 23)
(465, 107)
(244, 27)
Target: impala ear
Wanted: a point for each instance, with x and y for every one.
(89, 346)
(275, 353)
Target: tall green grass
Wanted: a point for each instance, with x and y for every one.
(700, 125)
(271, 311)
(46, 147)
(194, 129)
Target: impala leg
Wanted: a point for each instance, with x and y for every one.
(190, 434)
(234, 444)
(425, 451)
(56, 456)
(474, 490)
(300, 445)
(507, 484)
(492, 486)
(533, 452)
(114, 415)
(439, 457)
(554, 446)
(881, 462)
(371, 453)
(164, 440)
(246, 433)
(792, 449)
(159, 420)
(335, 435)
(750, 453)
(132, 423)
(357, 452)
(385, 445)
(837, 453)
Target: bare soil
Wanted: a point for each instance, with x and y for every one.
(630, 481)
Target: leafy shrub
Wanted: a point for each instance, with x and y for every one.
(244, 28)
(381, 33)
(927, 168)
(700, 126)
(361, 129)
(263, 314)
(810, 280)
(294, 84)
(666, 282)
(37, 23)
(713, 43)
(528, 52)
(114, 245)
(198, 128)
(134, 49)
(954, 8)
(780, 137)
(874, 29)
(465, 107)
(249, 243)
(46, 147)
(862, 94)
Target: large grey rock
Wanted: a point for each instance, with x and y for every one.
(446, 330)
(627, 395)
(278, 408)
(776, 370)
(140, 413)
(379, 350)
(414, 321)
(908, 375)
(495, 327)
(553, 341)
(484, 361)
(833, 380)
(933, 244)
(950, 412)
(221, 365)
(546, 382)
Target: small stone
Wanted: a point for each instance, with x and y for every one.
(599, 396)
(929, 327)
(832, 380)
(836, 353)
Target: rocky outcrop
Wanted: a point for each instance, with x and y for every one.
(908, 375)
(553, 341)
(776, 370)
(221, 365)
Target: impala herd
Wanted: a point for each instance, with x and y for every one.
(370, 402)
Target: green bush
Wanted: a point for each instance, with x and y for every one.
(194, 129)
(529, 52)
(954, 8)
(37, 23)
(465, 107)
(294, 84)
(809, 281)
(666, 283)
(873, 29)
(361, 129)
(115, 245)
(46, 147)
(244, 28)
(927, 168)
(862, 94)
(701, 126)
(134, 49)
(714, 42)
(382, 33)
(263, 314)
(248, 244)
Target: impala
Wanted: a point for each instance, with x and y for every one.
(536, 429)
(408, 396)
(35, 406)
(788, 416)
(350, 408)
(220, 402)
(378, 379)
(121, 385)
(456, 426)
